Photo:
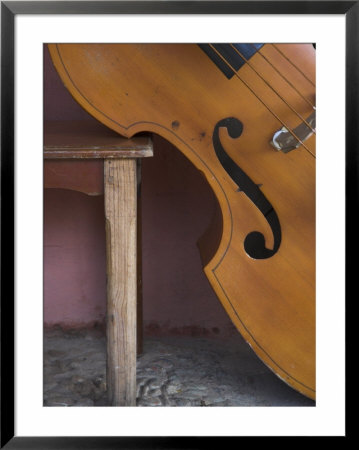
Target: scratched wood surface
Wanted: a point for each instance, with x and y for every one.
(74, 152)
(90, 139)
(121, 231)
(85, 156)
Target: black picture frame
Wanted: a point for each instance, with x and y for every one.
(9, 10)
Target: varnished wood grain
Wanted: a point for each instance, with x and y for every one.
(177, 92)
(121, 231)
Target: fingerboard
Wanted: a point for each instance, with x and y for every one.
(231, 58)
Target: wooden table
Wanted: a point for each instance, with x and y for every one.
(88, 157)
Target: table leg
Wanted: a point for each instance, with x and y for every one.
(121, 226)
(139, 263)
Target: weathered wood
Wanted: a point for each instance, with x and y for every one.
(121, 231)
(74, 152)
(89, 139)
(86, 156)
(93, 153)
(139, 263)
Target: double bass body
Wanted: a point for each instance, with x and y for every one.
(259, 256)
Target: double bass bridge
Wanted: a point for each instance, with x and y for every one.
(285, 141)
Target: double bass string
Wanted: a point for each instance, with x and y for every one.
(263, 103)
(272, 88)
(284, 78)
(292, 63)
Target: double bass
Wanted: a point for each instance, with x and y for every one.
(244, 115)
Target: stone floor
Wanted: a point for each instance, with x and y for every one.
(172, 371)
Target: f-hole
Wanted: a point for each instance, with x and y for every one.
(254, 243)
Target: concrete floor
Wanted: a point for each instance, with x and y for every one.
(172, 371)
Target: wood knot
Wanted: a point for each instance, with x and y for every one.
(175, 125)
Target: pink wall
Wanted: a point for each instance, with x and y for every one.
(177, 205)
(74, 258)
